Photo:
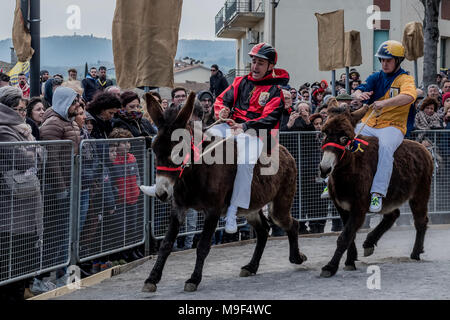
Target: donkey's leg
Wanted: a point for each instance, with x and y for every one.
(203, 247)
(281, 215)
(352, 253)
(261, 226)
(344, 241)
(375, 235)
(164, 252)
(419, 208)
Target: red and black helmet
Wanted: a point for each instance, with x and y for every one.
(264, 51)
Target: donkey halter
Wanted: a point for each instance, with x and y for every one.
(353, 146)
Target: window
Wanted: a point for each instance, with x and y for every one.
(379, 36)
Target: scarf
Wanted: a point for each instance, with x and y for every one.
(25, 131)
(133, 115)
(425, 122)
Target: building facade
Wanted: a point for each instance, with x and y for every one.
(292, 27)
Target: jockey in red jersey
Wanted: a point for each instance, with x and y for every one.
(256, 102)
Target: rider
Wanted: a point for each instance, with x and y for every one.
(391, 91)
(254, 101)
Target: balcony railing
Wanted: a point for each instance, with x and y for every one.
(220, 20)
(244, 6)
(233, 73)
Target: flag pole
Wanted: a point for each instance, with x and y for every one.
(35, 31)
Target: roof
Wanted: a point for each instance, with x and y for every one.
(189, 67)
(6, 66)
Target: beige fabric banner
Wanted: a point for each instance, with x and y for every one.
(145, 38)
(413, 40)
(21, 36)
(331, 40)
(352, 49)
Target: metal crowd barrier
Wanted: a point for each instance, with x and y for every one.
(55, 211)
(112, 211)
(35, 211)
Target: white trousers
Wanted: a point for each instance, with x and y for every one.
(249, 149)
(389, 139)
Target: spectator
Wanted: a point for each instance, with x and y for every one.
(114, 90)
(294, 95)
(433, 92)
(21, 214)
(427, 118)
(217, 82)
(447, 112)
(4, 80)
(344, 100)
(342, 77)
(126, 179)
(354, 75)
(90, 85)
(445, 86)
(130, 117)
(354, 85)
(304, 94)
(103, 83)
(206, 101)
(44, 75)
(35, 115)
(23, 85)
(179, 95)
(73, 74)
(317, 97)
(324, 85)
(49, 89)
(164, 104)
(446, 103)
(355, 105)
(102, 109)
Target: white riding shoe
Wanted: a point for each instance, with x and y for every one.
(230, 220)
(149, 190)
(376, 203)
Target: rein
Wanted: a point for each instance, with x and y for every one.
(351, 146)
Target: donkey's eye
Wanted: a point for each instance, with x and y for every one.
(343, 140)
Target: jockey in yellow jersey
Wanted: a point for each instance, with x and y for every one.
(391, 91)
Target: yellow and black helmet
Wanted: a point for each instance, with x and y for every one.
(391, 49)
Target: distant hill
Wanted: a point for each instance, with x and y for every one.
(58, 53)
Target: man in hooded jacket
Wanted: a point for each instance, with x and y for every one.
(217, 82)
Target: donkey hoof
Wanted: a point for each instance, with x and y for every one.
(149, 287)
(246, 273)
(298, 259)
(326, 274)
(350, 267)
(368, 251)
(190, 287)
(415, 256)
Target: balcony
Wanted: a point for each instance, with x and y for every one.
(233, 19)
(233, 73)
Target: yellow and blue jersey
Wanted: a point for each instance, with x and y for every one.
(386, 86)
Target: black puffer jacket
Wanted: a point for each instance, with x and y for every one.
(217, 84)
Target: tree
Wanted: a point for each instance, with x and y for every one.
(86, 71)
(431, 40)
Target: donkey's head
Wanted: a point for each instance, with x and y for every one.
(172, 139)
(337, 132)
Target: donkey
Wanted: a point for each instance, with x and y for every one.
(208, 188)
(350, 180)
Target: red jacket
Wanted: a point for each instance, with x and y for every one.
(257, 104)
(127, 186)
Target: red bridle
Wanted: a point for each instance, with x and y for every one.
(346, 147)
(195, 150)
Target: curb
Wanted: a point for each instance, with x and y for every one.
(92, 280)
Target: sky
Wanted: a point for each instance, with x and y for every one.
(197, 18)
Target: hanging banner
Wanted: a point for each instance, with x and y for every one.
(331, 40)
(352, 49)
(413, 41)
(20, 67)
(145, 39)
(21, 36)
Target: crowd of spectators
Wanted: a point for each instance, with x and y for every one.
(94, 108)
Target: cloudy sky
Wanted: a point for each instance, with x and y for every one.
(197, 18)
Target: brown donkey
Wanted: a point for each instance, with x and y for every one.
(350, 180)
(208, 188)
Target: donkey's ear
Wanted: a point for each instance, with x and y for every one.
(359, 114)
(186, 112)
(154, 109)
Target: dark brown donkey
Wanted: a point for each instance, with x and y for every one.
(350, 180)
(208, 188)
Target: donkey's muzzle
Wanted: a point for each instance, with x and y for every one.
(162, 196)
(324, 172)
